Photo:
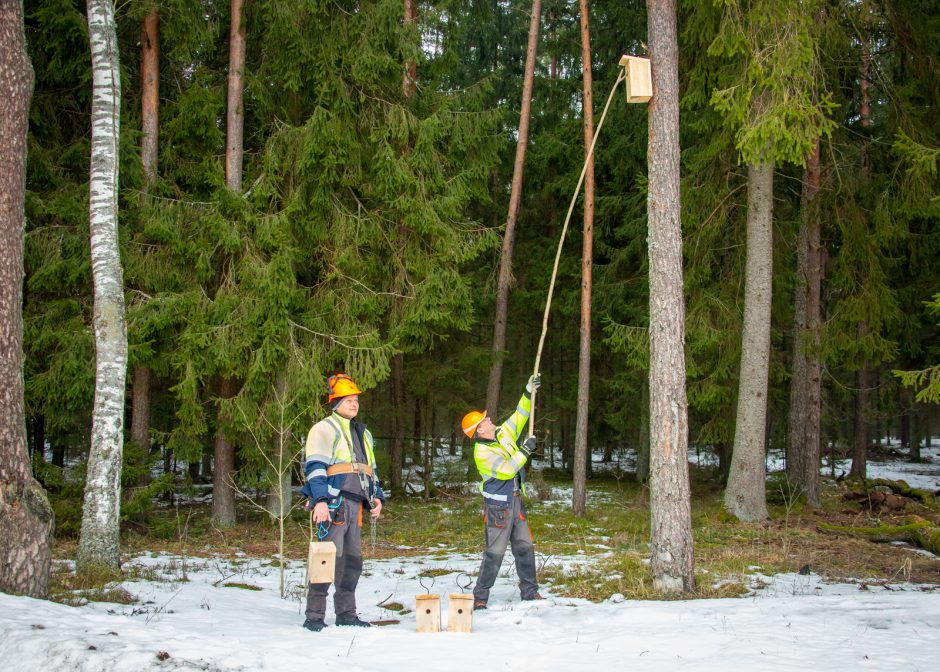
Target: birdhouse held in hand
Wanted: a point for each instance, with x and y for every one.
(639, 78)
(321, 562)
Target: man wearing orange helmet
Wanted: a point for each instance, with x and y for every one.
(501, 463)
(341, 481)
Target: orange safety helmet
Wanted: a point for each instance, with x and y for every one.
(341, 385)
(470, 422)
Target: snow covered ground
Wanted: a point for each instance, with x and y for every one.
(187, 618)
(791, 623)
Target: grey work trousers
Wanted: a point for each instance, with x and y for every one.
(505, 526)
(344, 531)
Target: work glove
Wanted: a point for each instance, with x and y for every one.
(528, 447)
(535, 382)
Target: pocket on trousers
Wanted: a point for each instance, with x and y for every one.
(339, 515)
(496, 516)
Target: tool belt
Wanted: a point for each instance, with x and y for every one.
(349, 468)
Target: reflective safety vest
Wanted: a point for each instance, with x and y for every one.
(500, 462)
(330, 442)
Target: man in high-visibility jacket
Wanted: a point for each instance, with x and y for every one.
(341, 481)
(501, 463)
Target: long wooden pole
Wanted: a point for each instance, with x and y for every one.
(561, 241)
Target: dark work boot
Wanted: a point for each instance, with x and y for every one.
(314, 624)
(479, 605)
(352, 620)
(537, 596)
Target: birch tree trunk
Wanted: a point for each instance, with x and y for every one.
(672, 561)
(98, 541)
(804, 434)
(582, 452)
(515, 200)
(26, 518)
(745, 496)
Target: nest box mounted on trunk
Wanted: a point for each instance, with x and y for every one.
(639, 78)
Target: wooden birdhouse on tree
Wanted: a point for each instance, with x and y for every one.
(639, 78)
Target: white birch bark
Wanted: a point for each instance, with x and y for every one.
(745, 496)
(98, 543)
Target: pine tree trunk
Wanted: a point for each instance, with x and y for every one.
(860, 435)
(410, 78)
(26, 518)
(150, 96)
(917, 435)
(582, 453)
(223, 473)
(398, 425)
(643, 436)
(37, 437)
(672, 561)
(150, 129)
(745, 496)
(140, 415)
(98, 541)
(509, 237)
(804, 434)
(235, 117)
(862, 376)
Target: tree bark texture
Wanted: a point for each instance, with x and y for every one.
(235, 118)
(410, 78)
(582, 453)
(140, 415)
(149, 143)
(98, 541)
(223, 473)
(670, 500)
(509, 236)
(745, 496)
(26, 518)
(150, 96)
(804, 435)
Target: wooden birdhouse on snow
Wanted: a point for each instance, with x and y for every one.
(460, 612)
(639, 78)
(428, 613)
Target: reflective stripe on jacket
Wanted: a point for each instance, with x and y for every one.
(500, 461)
(331, 441)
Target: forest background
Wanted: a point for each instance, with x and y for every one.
(364, 232)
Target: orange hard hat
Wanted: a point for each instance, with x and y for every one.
(470, 422)
(341, 385)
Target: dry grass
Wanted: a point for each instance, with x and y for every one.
(614, 535)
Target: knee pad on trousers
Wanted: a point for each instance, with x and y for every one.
(351, 570)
